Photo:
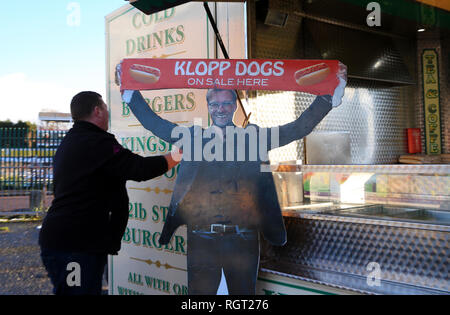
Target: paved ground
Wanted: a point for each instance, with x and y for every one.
(21, 269)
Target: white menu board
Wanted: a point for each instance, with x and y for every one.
(143, 266)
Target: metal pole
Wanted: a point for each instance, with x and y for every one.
(225, 54)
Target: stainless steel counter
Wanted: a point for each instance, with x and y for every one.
(343, 245)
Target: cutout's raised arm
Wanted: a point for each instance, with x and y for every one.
(303, 125)
(160, 127)
(313, 115)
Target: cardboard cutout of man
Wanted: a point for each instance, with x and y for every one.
(227, 201)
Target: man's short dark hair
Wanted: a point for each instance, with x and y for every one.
(213, 91)
(83, 104)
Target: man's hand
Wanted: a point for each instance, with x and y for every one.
(340, 89)
(174, 157)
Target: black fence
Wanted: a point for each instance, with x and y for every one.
(26, 159)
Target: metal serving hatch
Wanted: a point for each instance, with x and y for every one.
(386, 212)
(335, 247)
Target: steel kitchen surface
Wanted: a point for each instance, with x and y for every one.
(337, 250)
(368, 248)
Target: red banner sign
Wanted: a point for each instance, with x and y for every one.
(317, 77)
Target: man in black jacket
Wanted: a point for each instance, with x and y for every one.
(89, 213)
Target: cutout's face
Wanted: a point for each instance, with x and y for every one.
(221, 107)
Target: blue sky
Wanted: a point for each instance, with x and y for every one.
(49, 52)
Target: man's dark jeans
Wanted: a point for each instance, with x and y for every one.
(63, 273)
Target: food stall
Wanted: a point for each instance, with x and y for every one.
(366, 196)
(366, 222)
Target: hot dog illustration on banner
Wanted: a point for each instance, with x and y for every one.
(317, 77)
(145, 74)
(312, 75)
